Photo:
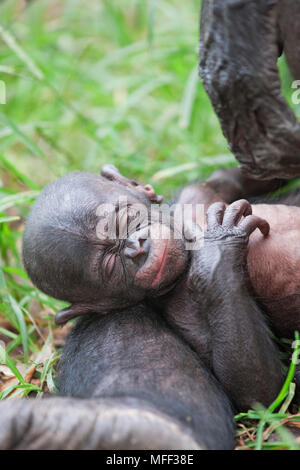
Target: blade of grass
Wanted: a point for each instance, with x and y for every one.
(9, 39)
(285, 389)
(15, 171)
(288, 399)
(50, 381)
(28, 143)
(8, 219)
(8, 333)
(4, 358)
(22, 325)
(18, 272)
(188, 99)
(282, 395)
(151, 21)
(16, 199)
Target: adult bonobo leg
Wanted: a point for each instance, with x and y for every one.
(240, 41)
(102, 424)
(289, 24)
(227, 185)
(128, 383)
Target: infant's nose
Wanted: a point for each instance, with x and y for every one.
(135, 247)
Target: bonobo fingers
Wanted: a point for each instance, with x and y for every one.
(225, 246)
(112, 173)
(225, 223)
(215, 214)
(252, 222)
(235, 212)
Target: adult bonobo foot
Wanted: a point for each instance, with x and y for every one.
(240, 41)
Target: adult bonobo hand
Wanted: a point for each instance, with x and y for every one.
(218, 280)
(240, 41)
(226, 237)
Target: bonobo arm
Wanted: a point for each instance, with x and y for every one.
(239, 46)
(243, 357)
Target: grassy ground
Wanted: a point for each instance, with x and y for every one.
(90, 82)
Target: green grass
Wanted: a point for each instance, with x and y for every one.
(90, 82)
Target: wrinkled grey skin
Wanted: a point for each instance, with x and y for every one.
(67, 424)
(240, 41)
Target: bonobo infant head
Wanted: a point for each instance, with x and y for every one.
(72, 252)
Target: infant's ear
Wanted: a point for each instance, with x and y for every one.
(71, 312)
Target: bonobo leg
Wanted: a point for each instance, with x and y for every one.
(289, 24)
(240, 41)
(128, 382)
(104, 424)
(226, 185)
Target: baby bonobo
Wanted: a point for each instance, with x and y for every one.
(203, 294)
(164, 331)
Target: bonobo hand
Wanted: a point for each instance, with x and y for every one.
(223, 224)
(112, 173)
(225, 246)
